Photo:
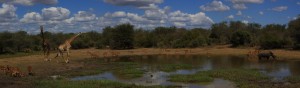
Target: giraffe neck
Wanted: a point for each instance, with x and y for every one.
(72, 38)
(42, 33)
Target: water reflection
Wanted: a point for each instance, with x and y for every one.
(157, 78)
(153, 76)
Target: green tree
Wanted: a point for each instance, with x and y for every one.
(240, 38)
(274, 36)
(294, 29)
(122, 37)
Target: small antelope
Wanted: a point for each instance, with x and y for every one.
(93, 55)
(29, 68)
(105, 54)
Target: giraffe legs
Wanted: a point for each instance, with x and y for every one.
(46, 55)
(68, 56)
(60, 53)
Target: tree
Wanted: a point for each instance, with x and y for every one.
(122, 37)
(294, 29)
(273, 36)
(220, 33)
(240, 38)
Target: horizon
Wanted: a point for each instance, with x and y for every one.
(93, 15)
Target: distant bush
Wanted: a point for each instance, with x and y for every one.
(240, 38)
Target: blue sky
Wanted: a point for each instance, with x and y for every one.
(87, 15)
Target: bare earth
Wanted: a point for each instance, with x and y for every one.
(47, 68)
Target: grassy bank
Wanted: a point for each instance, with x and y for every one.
(244, 78)
(87, 84)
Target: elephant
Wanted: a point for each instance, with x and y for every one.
(266, 55)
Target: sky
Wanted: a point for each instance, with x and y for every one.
(93, 15)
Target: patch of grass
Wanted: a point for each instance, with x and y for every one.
(244, 78)
(127, 70)
(174, 67)
(293, 79)
(195, 78)
(86, 84)
(128, 73)
(19, 54)
(84, 72)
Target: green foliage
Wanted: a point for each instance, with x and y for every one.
(293, 79)
(200, 77)
(239, 38)
(274, 36)
(271, 42)
(86, 84)
(122, 37)
(294, 29)
(244, 78)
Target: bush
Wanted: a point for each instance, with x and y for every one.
(240, 38)
(272, 42)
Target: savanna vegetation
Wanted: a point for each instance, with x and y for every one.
(125, 36)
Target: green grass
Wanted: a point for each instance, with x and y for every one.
(86, 84)
(244, 78)
(195, 78)
(174, 67)
(127, 70)
(293, 79)
(84, 72)
(19, 54)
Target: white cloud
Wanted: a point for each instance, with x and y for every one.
(178, 16)
(157, 18)
(84, 16)
(55, 13)
(249, 17)
(298, 3)
(8, 13)
(245, 21)
(58, 19)
(280, 8)
(239, 13)
(261, 13)
(135, 17)
(158, 14)
(230, 17)
(190, 20)
(116, 14)
(215, 6)
(149, 7)
(294, 18)
(135, 3)
(239, 6)
(200, 19)
(31, 17)
(248, 1)
(30, 2)
(179, 24)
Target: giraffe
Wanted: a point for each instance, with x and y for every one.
(45, 45)
(66, 47)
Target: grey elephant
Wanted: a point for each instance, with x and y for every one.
(266, 55)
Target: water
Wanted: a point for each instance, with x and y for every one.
(153, 76)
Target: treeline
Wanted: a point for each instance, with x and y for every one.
(124, 36)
